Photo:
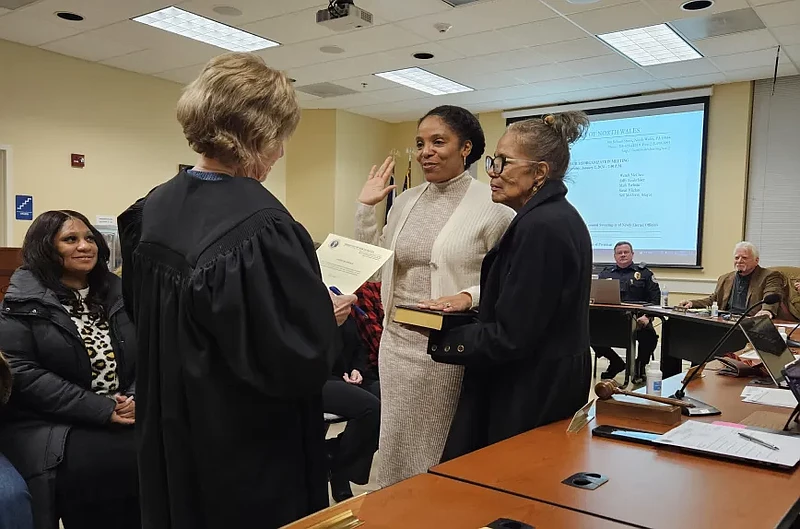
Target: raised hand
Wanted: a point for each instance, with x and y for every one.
(375, 188)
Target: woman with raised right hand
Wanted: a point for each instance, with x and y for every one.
(439, 232)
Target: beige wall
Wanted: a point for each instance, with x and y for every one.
(124, 123)
(361, 142)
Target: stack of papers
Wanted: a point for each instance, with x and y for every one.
(769, 396)
(725, 441)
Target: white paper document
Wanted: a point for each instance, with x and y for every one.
(347, 264)
(726, 441)
(769, 396)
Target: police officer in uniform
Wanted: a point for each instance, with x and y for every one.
(636, 283)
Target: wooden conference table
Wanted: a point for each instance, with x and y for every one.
(428, 501)
(648, 487)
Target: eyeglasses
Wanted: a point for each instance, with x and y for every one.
(498, 163)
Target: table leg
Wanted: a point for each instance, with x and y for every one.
(630, 351)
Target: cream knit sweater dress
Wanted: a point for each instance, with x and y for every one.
(439, 233)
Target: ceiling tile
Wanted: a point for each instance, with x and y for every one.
(793, 52)
(737, 43)
(481, 43)
(89, 47)
(440, 54)
(565, 7)
(475, 18)
(159, 60)
(290, 28)
(402, 10)
(398, 93)
(682, 69)
(756, 3)
(671, 9)
(780, 14)
(763, 72)
(617, 18)
(252, 10)
(3, 11)
(510, 60)
(537, 74)
(543, 32)
(346, 101)
(787, 35)
(752, 59)
(182, 75)
(19, 27)
(630, 76)
(620, 91)
(96, 13)
(574, 49)
(696, 80)
(606, 63)
(373, 83)
(345, 68)
(558, 86)
(481, 80)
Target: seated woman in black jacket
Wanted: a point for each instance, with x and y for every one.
(353, 392)
(71, 347)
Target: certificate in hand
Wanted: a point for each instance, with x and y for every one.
(347, 264)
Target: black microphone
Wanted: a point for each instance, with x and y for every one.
(789, 341)
(769, 299)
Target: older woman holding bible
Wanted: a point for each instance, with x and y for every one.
(527, 356)
(439, 232)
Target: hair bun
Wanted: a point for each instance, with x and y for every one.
(571, 126)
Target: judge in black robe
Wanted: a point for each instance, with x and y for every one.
(235, 325)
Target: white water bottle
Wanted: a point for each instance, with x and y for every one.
(653, 373)
(664, 297)
(714, 310)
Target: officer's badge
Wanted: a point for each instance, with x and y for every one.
(637, 276)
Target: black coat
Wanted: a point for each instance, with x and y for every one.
(53, 380)
(236, 331)
(527, 358)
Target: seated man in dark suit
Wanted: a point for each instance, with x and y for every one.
(353, 392)
(636, 283)
(747, 284)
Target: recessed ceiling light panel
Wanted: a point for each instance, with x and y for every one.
(204, 29)
(658, 44)
(424, 81)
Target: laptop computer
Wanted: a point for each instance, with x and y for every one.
(605, 292)
(770, 347)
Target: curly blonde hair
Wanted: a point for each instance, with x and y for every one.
(238, 111)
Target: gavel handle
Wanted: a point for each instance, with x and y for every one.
(654, 398)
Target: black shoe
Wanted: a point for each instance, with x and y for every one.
(340, 487)
(614, 369)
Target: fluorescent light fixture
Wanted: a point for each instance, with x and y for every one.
(658, 44)
(204, 29)
(424, 81)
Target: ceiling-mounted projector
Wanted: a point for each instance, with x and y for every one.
(343, 15)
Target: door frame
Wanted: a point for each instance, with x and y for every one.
(8, 236)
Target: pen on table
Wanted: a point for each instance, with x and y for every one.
(358, 309)
(758, 441)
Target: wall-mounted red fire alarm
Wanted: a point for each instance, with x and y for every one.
(78, 160)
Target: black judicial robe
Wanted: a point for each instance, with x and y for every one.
(527, 357)
(236, 331)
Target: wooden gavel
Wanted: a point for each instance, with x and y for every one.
(607, 389)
